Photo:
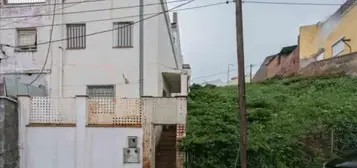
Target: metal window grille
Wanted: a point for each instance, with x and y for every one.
(26, 40)
(101, 91)
(123, 34)
(76, 36)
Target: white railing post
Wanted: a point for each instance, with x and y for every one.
(81, 123)
(24, 109)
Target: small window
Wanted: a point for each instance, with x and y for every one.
(338, 47)
(26, 40)
(320, 57)
(101, 91)
(123, 34)
(76, 36)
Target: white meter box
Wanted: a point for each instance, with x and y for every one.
(131, 155)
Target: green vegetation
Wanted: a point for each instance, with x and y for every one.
(292, 123)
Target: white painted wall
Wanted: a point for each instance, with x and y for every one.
(99, 63)
(55, 147)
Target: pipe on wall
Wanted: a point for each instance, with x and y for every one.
(141, 48)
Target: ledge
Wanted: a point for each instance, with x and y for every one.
(51, 125)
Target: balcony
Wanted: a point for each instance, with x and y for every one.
(105, 111)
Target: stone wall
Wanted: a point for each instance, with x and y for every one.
(9, 153)
(345, 64)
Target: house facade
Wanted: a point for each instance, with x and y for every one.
(114, 76)
(330, 38)
(284, 63)
(89, 51)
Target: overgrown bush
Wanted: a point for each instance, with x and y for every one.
(293, 123)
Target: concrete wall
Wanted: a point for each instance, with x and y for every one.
(346, 64)
(68, 72)
(104, 147)
(307, 45)
(9, 154)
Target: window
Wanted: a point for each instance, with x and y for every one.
(320, 57)
(26, 40)
(338, 47)
(101, 91)
(76, 36)
(123, 32)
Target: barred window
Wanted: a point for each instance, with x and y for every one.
(26, 39)
(101, 91)
(76, 36)
(123, 32)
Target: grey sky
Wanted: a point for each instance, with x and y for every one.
(208, 34)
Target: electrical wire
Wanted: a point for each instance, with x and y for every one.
(29, 5)
(124, 17)
(49, 46)
(86, 11)
(109, 30)
(53, 12)
(50, 41)
(290, 3)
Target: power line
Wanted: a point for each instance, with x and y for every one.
(86, 11)
(54, 11)
(123, 17)
(49, 46)
(109, 30)
(46, 4)
(290, 3)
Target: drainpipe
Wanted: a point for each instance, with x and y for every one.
(141, 48)
(61, 55)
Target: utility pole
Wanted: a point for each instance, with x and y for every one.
(250, 72)
(241, 83)
(228, 70)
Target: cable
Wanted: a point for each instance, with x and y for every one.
(49, 46)
(109, 30)
(14, 5)
(86, 11)
(291, 3)
(50, 41)
(54, 11)
(124, 17)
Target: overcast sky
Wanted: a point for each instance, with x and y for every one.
(208, 34)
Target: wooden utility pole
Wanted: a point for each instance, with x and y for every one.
(241, 83)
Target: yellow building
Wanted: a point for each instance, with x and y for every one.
(333, 37)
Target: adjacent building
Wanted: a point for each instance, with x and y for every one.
(284, 63)
(114, 80)
(330, 38)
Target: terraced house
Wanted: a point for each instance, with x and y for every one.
(114, 77)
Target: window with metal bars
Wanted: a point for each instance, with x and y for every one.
(101, 91)
(26, 40)
(123, 34)
(76, 36)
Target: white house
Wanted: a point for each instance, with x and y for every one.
(102, 60)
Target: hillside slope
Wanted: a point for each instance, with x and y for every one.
(293, 123)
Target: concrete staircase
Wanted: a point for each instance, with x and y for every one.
(165, 156)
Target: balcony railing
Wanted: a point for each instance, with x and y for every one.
(105, 111)
(48, 110)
